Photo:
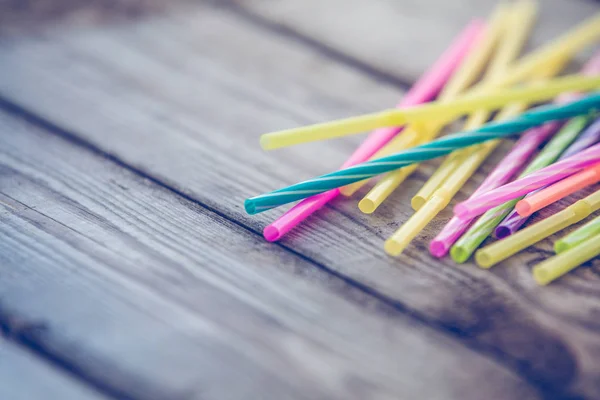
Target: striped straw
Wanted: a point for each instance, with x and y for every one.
(514, 221)
(421, 153)
(536, 180)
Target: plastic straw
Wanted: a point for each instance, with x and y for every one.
(578, 236)
(506, 169)
(502, 249)
(513, 220)
(543, 177)
(427, 112)
(558, 191)
(514, 28)
(469, 72)
(415, 155)
(575, 40)
(559, 265)
(425, 89)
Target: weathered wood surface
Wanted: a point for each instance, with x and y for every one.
(25, 377)
(172, 96)
(385, 34)
(140, 293)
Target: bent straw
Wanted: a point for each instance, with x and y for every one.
(425, 89)
(521, 17)
(470, 241)
(570, 43)
(468, 73)
(514, 221)
(502, 249)
(504, 171)
(578, 236)
(543, 177)
(558, 191)
(559, 265)
(522, 21)
(431, 111)
(427, 151)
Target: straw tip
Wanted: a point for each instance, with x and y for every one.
(367, 206)
(417, 202)
(502, 232)
(393, 247)
(523, 208)
(483, 259)
(438, 249)
(560, 247)
(541, 276)
(249, 206)
(266, 143)
(271, 233)
(459, 254)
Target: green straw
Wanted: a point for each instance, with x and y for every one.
(578, 236)
(434, 149)
(472, 239)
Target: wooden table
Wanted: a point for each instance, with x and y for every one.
(129, 139)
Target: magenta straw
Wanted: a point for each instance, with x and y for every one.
(477, 205)
(511, 164)
(426, 88)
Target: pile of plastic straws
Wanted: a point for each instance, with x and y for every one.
(480, 76)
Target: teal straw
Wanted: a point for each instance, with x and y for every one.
(428, 151)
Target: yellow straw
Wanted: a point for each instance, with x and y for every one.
(501, 250)
(467, 73)
(514, 34)
(523, 13)
(436, 111)
(579, 38)
(559, 265)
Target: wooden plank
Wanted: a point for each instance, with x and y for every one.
(176, 96)
(25, 377)
(384, 34)
(150, 296)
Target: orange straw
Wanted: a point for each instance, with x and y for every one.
(559, 190)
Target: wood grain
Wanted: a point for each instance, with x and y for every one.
(149, 296)
(24, 377)
(182, 98)
(384, 34)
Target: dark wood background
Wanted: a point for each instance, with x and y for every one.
(128, 141)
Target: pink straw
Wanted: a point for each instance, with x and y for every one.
(479, 204)
(425, 89)
(508, 167)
